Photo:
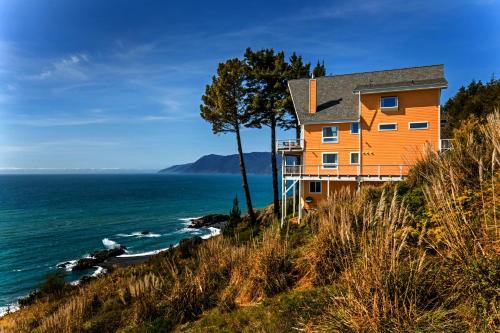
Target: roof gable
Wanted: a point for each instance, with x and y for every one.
(336, 96)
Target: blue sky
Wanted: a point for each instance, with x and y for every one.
(115, 84)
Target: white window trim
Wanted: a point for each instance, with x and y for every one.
(389, 107)
(337, 137)
(350, 157)
(418, 122)
(358, 129)
(323, 164)
(387, 130)
(320, 186)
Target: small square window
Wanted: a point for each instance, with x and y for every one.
(419, 125)
(355, 158)
(388, 102)
(354, 128)
(330, 160)
(330, 134)
(387, 127)
(314, 187)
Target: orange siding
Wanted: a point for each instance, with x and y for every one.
(403, 146)
(317, 197)
(314, 147)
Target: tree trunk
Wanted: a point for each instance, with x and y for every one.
(297, 130)
(243, 171)
(274, 168)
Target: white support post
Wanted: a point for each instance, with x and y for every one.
(328, 188)
(284, 203)
(300, 200)
(294, 185)
(282, 200)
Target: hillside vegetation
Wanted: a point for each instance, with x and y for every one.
(418, 255)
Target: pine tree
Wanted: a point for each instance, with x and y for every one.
(319, 69)
(223, 106)
(235, 213)
(266, 91)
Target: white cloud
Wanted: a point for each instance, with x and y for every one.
(70, 67)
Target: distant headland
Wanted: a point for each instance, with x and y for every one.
(256, 163)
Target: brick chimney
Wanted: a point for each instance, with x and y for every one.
(312, 96)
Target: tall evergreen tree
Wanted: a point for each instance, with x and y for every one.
(266, 90)
(223, 105)
(234, 213)
(319, 69)
(296, 69)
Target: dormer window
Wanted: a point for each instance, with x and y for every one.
(389, 102)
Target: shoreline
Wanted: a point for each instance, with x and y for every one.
(123, 260)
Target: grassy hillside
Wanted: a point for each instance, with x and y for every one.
(419, 255)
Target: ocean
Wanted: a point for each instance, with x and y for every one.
(50, 219)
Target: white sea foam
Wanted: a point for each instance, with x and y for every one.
(213, 232)
(188, 230)
(110, 244)
(100, 270)
(67, 265)
(189, 220)
(140, 234)
(4, 310)
(149, 253)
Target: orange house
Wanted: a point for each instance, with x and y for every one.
(359, 128)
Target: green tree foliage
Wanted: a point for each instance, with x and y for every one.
(319, 69)
(266, 91)
(297, 69)
(223, 105)
(235, 213)
(475, 100)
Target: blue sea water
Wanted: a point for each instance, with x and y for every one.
(49, 219)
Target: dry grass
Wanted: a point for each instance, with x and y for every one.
(448, 281)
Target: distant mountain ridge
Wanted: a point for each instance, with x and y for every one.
(256, 163)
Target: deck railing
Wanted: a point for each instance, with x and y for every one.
(338, 170)
(290, 145)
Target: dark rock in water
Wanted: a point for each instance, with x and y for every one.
(145, 232)
(209, 220)
(63, 264)
(187, 246)
(97, 257)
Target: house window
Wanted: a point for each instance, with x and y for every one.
(419, 125)
(330, 134)
(330, 160)
(314, 187)
(388, 102)
(387, 127)
(354, 157)
(354, 128)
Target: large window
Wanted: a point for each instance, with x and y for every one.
(314, 187)
(387, 127)
(418, 125)
(354, 157)
(330, 134)
(388, 102)
(330, 160)
(354, 128)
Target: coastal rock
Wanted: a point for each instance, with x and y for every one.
(209, 220)
(97, 258)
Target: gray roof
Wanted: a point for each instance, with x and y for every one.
(336, 96)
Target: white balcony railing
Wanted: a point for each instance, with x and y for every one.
(349, 170)
(292, 145)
